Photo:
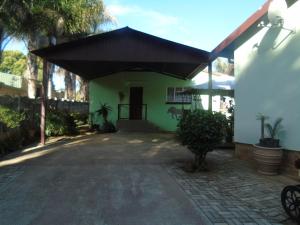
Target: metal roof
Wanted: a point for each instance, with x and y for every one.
(125, 49)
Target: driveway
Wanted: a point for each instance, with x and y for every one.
(113, 179)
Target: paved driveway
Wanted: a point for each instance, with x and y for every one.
(99, 179)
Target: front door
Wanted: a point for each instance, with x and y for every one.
(136, 103)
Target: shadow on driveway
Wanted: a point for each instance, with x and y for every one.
(114, 179)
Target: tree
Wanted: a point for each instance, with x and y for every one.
(201, 131)
(4, 40)
(45, 21)
(224, 67)
(13, 62)
(83, 89)
(30, 20)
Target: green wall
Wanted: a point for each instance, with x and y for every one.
(267, 71)
(106, 90)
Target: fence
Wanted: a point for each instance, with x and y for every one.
(33, 105)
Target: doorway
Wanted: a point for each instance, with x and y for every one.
(136, 103)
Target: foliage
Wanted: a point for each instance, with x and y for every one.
(13, 62)
(10, 141)
(104, 110)
(223, 66)
(11, 118)
(51, 18)
(262, 119)
(60, 123)
(80, 118)
(11, 132)
(40, 23)
(274, 130)
(230, 122)
(201, 131)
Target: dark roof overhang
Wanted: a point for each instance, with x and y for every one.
(125, 49)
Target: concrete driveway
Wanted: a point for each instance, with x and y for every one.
(114, 179)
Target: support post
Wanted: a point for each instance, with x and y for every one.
(210, 86)
(44, 101)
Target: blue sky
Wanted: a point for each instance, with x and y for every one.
(198, 23)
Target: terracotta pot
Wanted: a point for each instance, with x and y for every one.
(268, 160)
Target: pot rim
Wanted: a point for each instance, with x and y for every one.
(270, 148)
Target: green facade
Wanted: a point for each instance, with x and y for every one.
(107, 90)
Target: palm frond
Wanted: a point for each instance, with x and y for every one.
(270, 129)
(274, 130)
(276, 127)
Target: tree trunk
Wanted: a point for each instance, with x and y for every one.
(50, 81)
(44, 102)
(84, 89)
(68, 85)
(1, 42)
(32, 67)
(73, 76)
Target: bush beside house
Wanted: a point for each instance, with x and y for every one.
(201, 131)
(19, 129)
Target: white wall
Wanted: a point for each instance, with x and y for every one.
(267, 71)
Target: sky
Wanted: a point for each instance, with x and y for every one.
(197, 23)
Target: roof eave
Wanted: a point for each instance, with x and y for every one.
(252, 20)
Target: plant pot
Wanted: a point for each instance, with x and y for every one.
(269, 142)
(268, 159)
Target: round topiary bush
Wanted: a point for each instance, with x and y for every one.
(201, 131)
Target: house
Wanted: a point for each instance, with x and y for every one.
(222, 86)
(140, 76)
(12, 85)
(267, 73)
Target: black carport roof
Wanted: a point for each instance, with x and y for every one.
(125, 49)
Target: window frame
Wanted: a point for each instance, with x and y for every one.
(175, 96)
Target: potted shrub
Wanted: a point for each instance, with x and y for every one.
(268, 152)
(201, 131)
(108, 126)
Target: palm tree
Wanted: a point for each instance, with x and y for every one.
(32, 19)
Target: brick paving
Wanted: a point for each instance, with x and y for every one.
(232, 192)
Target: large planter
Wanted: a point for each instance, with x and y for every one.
(268, 160)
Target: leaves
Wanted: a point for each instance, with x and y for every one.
(275, 129)
(13, 62)
(104, 110)
(201, 130)
(11, 118)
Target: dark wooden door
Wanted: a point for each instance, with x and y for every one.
(136, 103)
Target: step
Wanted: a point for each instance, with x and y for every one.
(136, 126)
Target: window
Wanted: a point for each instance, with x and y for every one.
(176, 95)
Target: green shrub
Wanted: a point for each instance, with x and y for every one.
(60, 123)
(11, 118)
(201, 131)
(10, 141)
(80, 118)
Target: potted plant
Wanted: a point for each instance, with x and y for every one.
(268, 152)
(108, 126)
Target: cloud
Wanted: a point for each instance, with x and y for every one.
(120, 10)
(153, 22)
(155, 17)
